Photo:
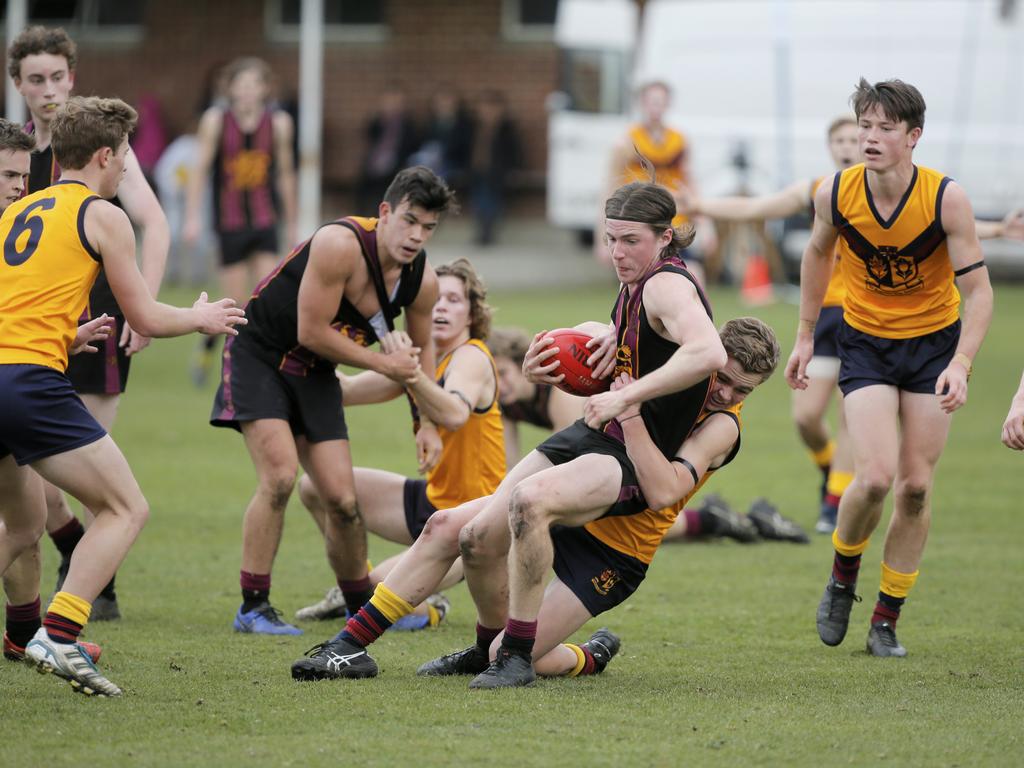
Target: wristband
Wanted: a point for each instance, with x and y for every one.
(965, 361)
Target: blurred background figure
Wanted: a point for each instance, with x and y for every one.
(150, 137)
(446, 138)
(390, 136)
(495, 151)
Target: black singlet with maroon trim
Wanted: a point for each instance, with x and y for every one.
(670, 418)
(273, 308)
(533, 411)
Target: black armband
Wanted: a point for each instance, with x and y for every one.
(689, 466)
(969, 268)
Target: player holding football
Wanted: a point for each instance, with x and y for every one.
(578, 474)
(906, 238)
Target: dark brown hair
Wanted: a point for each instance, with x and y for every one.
(14, 138)
(510, 343)
(899, 101)
(86, 124)
(650, 204)
(479, 310)
(423, 188)
(33, 40)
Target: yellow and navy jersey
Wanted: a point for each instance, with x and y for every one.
(639, 535)
(472, 460)
(665, 154)
(47, 271)
(836, 290)
(897, 272)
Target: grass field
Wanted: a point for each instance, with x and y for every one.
(720, 663)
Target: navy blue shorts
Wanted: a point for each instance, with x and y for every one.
(40, 414)
(578, 440)
(826, 332)
(252, 387)
(236, 247)
(601, 577)
(911, 365)
(104, 372)
(417, 506)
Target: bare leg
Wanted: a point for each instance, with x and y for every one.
(22, 512)
(272, 449)
(809, 407)
(381, 571)
(571, 494)
(380, 497)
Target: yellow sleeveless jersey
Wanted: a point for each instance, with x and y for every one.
(472, 457)
(836, 290)
(46, 274)
(666, 156)
(640, 535)
(898, 276)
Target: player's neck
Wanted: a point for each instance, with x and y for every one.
(87, 176)
(444, 348)
(41, 130)
(247, 115)
(891, 184)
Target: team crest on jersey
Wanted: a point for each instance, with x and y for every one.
(358, 335)
(250, 168)
(890, 271)
(603, 584)
(624, 360)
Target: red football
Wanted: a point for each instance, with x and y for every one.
(572, 358)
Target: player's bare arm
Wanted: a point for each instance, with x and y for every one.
(110, 233)
(287, 190)
(779, 205)
(975, 289)
(97, 329)
(333, 258)
(207, 136)
(1013, 426)
(469, 384)
(815, 273)
(367, 388)
(419, 319)
(143, 208)
(675, 312)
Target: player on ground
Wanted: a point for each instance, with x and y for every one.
(54, 244)
(41, 63)
(335, 295)
(613, 551)
(905, 234)
(462, 400)
(585, 468)
(248, 148)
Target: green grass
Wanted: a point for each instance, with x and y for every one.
(720, 662)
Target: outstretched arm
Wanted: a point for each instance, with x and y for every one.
(284, 131)
(786, 202)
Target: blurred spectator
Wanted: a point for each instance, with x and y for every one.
(150, 137)
(186, 263)
(495, 150)
(390, 136)
(446, 139)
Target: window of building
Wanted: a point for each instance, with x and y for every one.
(344, 20)
(90, 20)
(528, 20)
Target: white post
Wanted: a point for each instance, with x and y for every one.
(17, 16)
(311, 99)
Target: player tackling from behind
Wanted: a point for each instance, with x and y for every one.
(55, 242)
(906, 240)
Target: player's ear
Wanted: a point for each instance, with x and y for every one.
(383, 209)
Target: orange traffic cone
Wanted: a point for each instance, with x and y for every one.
(757, 281)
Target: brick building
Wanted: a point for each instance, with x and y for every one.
(167, 48)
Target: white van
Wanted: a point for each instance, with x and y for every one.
(765, 77)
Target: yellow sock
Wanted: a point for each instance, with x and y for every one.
(838, 482)
(391, 606)
(824, 457)
(433, 615)
(848, 550)
(896, 584)
(581, 659)
(71, 607)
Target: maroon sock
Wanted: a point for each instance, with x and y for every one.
(693, 526)
(520, 636)
(845, 569)
(357, 593)
(66, 538)
(887, 609)
(61, 629)
(23, 621)
(589, 664)
(255, 590)
(485, 636)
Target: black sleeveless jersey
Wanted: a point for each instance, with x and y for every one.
(273, 308)
(670, 418)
